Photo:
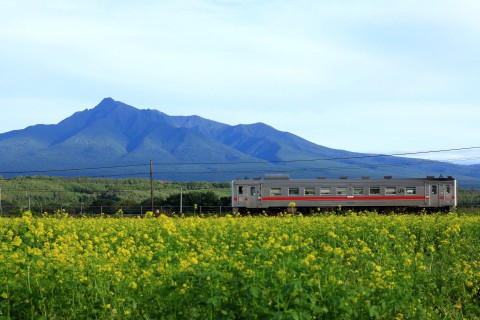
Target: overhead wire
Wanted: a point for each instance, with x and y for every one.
(40, 171)
(321, 159)
(263, 171)
(73, 169)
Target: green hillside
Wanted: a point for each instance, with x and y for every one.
(20, 193)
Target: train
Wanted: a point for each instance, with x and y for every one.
(278, 193)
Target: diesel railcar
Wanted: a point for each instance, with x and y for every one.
(276, 193)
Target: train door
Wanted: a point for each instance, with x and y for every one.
(434, 195)
(447, 196)
(240, 195)
(251, 197)
(246, 196)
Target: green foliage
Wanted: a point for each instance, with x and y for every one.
(41, 191)
(107, 206)
(468, 198)
(207, 198)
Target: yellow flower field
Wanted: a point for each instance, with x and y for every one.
(348, 267)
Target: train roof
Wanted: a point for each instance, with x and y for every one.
(273, 177)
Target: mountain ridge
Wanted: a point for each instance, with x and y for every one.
(115, 134)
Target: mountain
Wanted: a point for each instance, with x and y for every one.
(115, 139)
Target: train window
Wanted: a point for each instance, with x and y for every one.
(341, 191)
(240, 190)
(411, 190)
(447, 188)
(309, 191)
(357, 191)
(293, 191)
(374, 190)
(275, 191)
(252, 191)
(390, 190)
(434, 189)
(325, 191)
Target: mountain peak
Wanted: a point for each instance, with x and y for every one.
(109, 103)
(107, 100)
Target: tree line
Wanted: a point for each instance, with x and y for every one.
(91, 194)
(192, 199)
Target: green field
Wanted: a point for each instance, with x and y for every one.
(293, 267)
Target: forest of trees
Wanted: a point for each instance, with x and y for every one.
(42, 193)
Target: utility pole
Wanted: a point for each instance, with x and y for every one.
(151, 184)
(1, 210)
(181, 200)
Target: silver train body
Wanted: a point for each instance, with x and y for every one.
(279, 192)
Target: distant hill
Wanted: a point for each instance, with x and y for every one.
(117, 140)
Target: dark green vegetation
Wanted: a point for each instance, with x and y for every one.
(117, 140)
(92, 195)
(41, 193)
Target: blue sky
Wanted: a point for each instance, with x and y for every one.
(365, 76)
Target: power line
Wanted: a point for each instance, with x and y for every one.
(74, 169)
(372, 166)
(240, 162)
(320, 159)
(278, 170)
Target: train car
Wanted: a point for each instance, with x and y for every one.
(276, 193)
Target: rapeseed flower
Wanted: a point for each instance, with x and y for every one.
(324, 267)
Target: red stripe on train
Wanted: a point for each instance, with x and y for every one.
(345, 198)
